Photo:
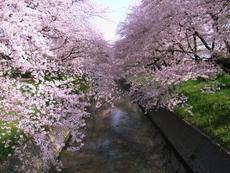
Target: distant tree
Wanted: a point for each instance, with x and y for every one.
(163, 31)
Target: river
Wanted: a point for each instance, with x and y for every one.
(121, 139)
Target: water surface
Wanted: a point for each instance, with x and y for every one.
(121, 140)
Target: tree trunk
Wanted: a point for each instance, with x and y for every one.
(203, 41)
(227, 44)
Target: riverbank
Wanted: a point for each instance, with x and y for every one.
(207, 106)
(198, 149)
(201, 102)
(38, 148)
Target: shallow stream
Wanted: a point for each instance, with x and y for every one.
(122, 139)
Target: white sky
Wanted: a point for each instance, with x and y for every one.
(117, 10)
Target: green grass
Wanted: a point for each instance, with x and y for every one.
(208, 106)
(8, 138)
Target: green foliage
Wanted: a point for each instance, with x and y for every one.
(8, 138)
(55, 76)
(19, 74)
(145, 80)
(78, 83)
(208, 106)
(81, 85)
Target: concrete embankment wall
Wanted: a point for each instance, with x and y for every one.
(196, 149)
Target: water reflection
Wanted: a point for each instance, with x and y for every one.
(116, 117)
(121, 140)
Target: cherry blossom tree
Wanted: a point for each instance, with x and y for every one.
(163, 31)
(47, 52)
(167, 42)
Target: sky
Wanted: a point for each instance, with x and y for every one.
(116, 12)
